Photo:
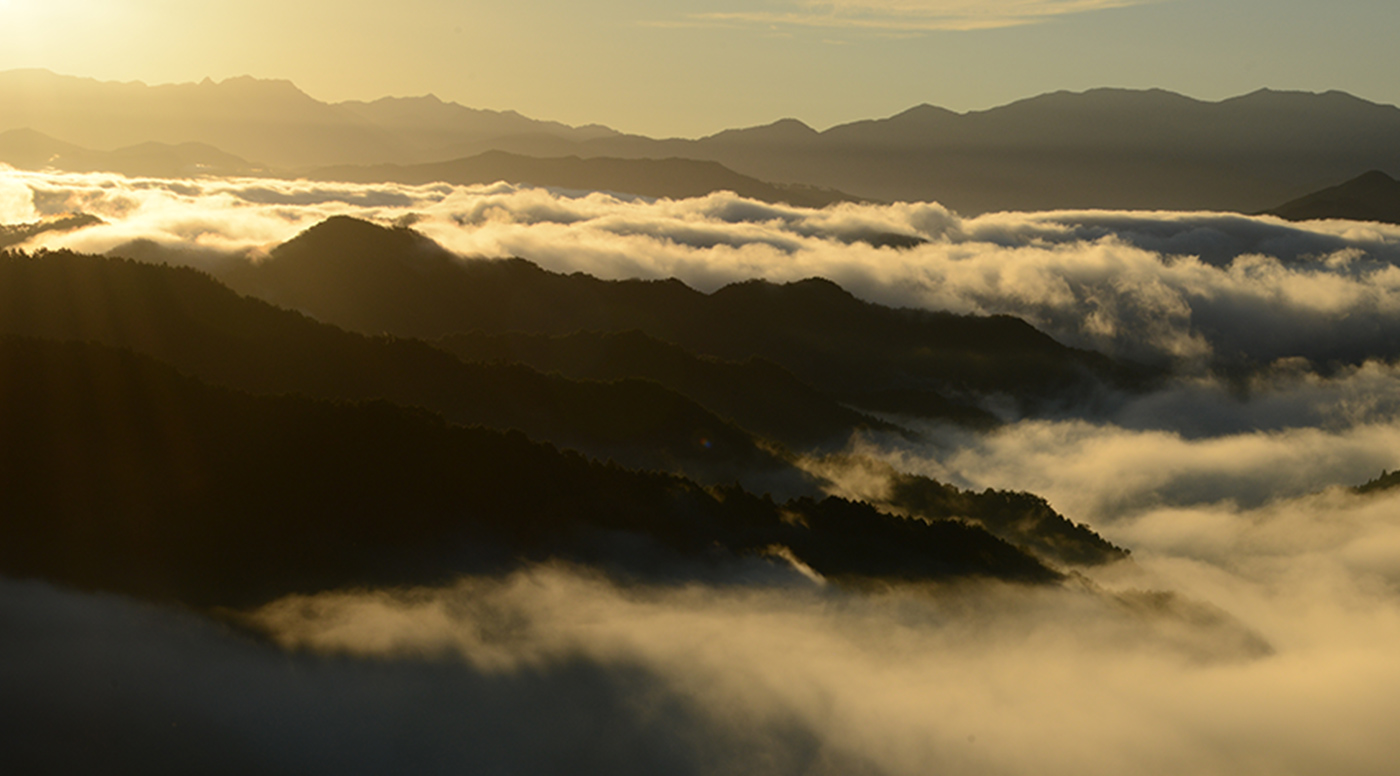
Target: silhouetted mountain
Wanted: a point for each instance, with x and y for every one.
(1102, 148)
(1023, 519)
(433, 128)
(189, 320)
(118, 473)
(757, 395)
(26, 149)
(372, 279)
(267, 120)
(673, 178)
(271, 121)
(15, 234)
(1385, 481)
(29, 150)
(1113, 148)
(1373, 196)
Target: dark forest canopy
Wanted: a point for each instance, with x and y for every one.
(191, 321)
(121, 474)
(216, 455)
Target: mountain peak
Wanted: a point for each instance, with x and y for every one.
(343, 230)
(1371, 196)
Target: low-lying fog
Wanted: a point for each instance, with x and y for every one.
(1181, 287)
(1254, 630)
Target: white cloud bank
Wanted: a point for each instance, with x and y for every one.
(1186, 288)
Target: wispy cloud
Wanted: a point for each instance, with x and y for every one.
(909, 15)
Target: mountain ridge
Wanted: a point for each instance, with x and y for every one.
(350, 273)
(1101, 148)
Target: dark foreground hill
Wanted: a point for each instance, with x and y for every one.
(757, 395)
(1373, 196)
(189, 320)
(120, 474)
(374, 279)
(673, 178)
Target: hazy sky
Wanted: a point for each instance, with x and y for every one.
(691, 67)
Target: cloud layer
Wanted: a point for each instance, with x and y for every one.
(1253, 630)
(1189, 289)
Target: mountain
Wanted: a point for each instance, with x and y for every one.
(1110, 148)
(189, 320)
(118, 473)
(673, 178)
(1373, 196)
(17, 234)
(270, 121)
(28, 149)
(1103, 148)
(756, 394)
(433, 128)
(1385, 481)
(369, 278)
(1023, 519)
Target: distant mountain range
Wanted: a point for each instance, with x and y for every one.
(1110, 148)
(672, 177)
(27, 149)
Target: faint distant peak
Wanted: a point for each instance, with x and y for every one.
(924, 111)
(1371, 196)
(782, 130)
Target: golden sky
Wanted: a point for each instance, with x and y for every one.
(692, 67)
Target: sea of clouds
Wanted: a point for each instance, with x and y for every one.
(1252, 631)
(1188, 289)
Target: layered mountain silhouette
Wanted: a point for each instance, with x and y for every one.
(189, 320)
(30, 150)
(118, 473)
(1373, 196)
(374, 279)
(1111, 148)
(673, 178)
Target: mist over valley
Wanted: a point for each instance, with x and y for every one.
(386, 436)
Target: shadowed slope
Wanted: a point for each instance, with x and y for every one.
(758, 395)
(373, 279)
(118, 473)
(191, 321)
